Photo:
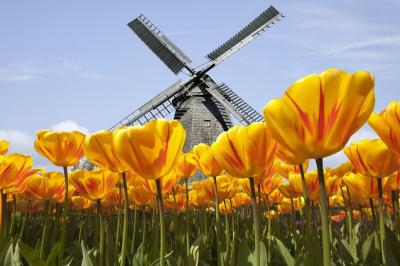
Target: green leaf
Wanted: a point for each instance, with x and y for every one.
(366, 247)
(9, 255)
(244, 257)
(263, 254)
(86, 260)
(53, 254)
(392, 247)
(16, 257)
(284, 252)
(30, 255)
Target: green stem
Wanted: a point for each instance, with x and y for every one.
(227, 231)
(4, 216)
(187, 225)
(326, 248)
(376, 239)
(144, 225)
(218, 223)
(46, 210)
(64, 217)
(134, 229)
(162, 223)
(381, 220)
(117, 236)
(21, 234)
(125, 230)
(13, 217)
(101, 223)
(256, 223)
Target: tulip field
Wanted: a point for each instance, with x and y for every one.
(260, 201)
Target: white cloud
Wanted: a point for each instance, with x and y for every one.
(20, 141)
(33, 70)
(69, 125)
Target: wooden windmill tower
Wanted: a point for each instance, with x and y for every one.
(204, 107)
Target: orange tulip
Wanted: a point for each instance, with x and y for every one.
(241, 199)
(311, 178)
(150, 150)
(82, 203)
(206, 160)
(372, 158)
(186, 166)
(98, 149)
(275, 196)
(140, 196)
(94, 184)
(387, 125)
(4, 146)
(319, 113)
(47, 186)
(285, 169)
(245, 151)
(15, 171)
(167, 183)
(60, 148)
(270, 184)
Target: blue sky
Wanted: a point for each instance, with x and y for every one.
(76, 65)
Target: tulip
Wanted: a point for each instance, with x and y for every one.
(4, 146)
(151, 151)
(373, 158)
(206, 160)
(317, 116)
(15, 171)
(82, 203)
(61, 149)
(244, 152)
(140, 196)
(387, 125)
(98, 148)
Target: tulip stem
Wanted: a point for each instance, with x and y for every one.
(381, 220)
(162, 223)
(13, 217)
(101, 252)
(144, 225)
(307, 209)
(64, 217)
(218, 223)
(125, 230)
(326, 248)
(256, 224)
(376, 239)
(187, 225)
(134, 229)
(45, 228)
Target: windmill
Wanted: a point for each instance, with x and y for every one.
(204, 107)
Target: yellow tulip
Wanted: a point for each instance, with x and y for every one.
(319, 113)
(387, 125)
(289, 157)
(267, 173)
(198, 198)
(341, 170)
(47, 186)
(311, 178)
(272, 214)
(241, 199)
(150, 150)
(98, 149)
(186, 166)
(372, 158)
(60, 148)
(206, 160)
(141, 196)
(225, 208)
(336, 200)
(15, 171)
(94, 184)
(245, 151)
(287, 190)
(285, 169)
(270, 184)
(275, 196)
(81, 203)
(167, 183)
(4, 146)
(227, 187)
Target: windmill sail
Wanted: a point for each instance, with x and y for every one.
(168, 52)
(248, 33)
(158, 107)
(236, 106)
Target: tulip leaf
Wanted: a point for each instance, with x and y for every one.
(244, 257)
(367, 247)
(9, 255)
(86, 260)
(16, 260)
(391, 247)
(30, 255)
(53, 254)
(284, 252)
(263, 253)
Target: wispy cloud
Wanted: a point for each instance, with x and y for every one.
(69, 125)
(34, 70)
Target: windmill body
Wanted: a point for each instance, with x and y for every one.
(204, 107)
